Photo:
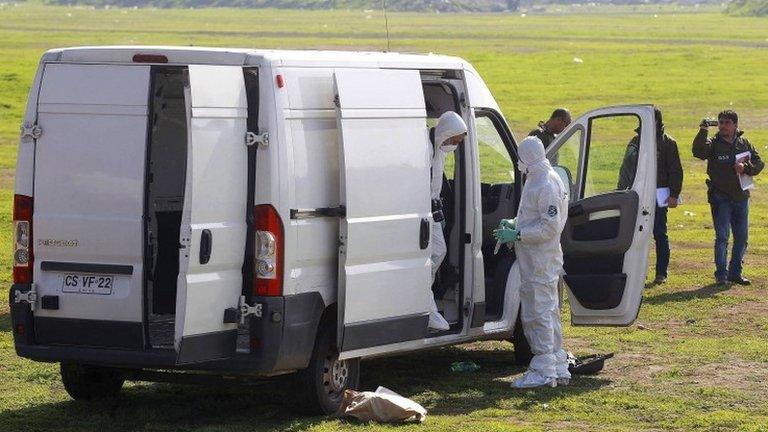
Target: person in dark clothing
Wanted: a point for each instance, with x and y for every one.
(669, 174)
(729, 155)
(548, 130)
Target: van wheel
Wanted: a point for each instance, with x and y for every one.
(90, 382)
(523, 354)
(323, 382)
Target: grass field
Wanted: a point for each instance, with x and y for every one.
(697, 359)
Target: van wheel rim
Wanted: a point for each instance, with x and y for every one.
(336, 374)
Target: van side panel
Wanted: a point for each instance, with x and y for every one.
(312, 141)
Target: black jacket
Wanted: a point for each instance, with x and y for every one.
(544, 134)
(669, 170)
(721, 158)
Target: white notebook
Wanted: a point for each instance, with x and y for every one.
(744, 179)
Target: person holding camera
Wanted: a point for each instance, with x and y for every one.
(731, 162)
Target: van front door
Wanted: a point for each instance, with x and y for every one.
(607, 158)
(384, 266)
(213, 226)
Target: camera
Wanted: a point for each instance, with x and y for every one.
(710, 122)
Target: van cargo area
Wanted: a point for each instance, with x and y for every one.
(110, 227)
(166, 172)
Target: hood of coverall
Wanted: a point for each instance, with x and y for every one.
(532, 158)
(449, 125)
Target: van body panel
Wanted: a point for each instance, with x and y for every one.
(310, 146)
(479, 96)
(385, 165)
(89, 188)
(214, 207)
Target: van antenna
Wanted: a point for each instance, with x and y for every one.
(386, 22)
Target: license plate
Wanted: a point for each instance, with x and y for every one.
(88, 283)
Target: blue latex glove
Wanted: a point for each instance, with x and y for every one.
(506, 235)
(508, 223)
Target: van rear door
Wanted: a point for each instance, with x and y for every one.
(384, 267)
(213, 226)
(89, 196)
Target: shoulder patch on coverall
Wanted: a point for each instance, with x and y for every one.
(552, 211)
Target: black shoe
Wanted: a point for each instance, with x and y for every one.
(741, 280)
(660, 280)
(721, 282)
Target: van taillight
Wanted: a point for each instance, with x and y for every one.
(269, 243)
(22, 239)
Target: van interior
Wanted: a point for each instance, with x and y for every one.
(441, 95)
(498, 202)
(166, 174)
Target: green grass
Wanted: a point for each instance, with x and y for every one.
(697, 359)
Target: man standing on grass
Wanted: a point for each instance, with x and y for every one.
(669, 175)
(731, 162)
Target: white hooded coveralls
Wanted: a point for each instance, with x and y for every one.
(541, 218)
(449, 125)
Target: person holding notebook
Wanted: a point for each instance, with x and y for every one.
(732, 161)
(669, 184)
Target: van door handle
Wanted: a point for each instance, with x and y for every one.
(424, 234)
(206, 244)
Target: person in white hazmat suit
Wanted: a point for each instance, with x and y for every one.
(535, 234)
(448, 134)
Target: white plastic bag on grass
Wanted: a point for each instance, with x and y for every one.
(383, 406)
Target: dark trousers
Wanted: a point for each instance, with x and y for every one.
(662, 241)
(729, 216)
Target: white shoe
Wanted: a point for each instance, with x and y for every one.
(437, 322)
(562, 382)
(532, 379)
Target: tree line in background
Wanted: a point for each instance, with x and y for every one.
(735, 7)
(748, 7)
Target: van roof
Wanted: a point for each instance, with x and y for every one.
(242, 56)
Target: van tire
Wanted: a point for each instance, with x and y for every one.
(322, 394)
(523, 354)
(90, 382)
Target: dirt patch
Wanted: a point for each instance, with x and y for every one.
(736, 318)
(732, 375)
(628, 367)
(7, 178)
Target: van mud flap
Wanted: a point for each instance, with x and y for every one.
(587, 365)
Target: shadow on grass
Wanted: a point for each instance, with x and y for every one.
(270, 406)
(681, 296)
(444, 392)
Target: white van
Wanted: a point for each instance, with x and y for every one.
(265, 212)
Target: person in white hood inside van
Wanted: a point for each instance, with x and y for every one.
(448, 134)
(536, 234)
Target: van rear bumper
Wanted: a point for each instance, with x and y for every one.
(285, 336)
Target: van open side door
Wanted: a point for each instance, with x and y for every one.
(213, 226)
(384, 266)
(607, 158)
